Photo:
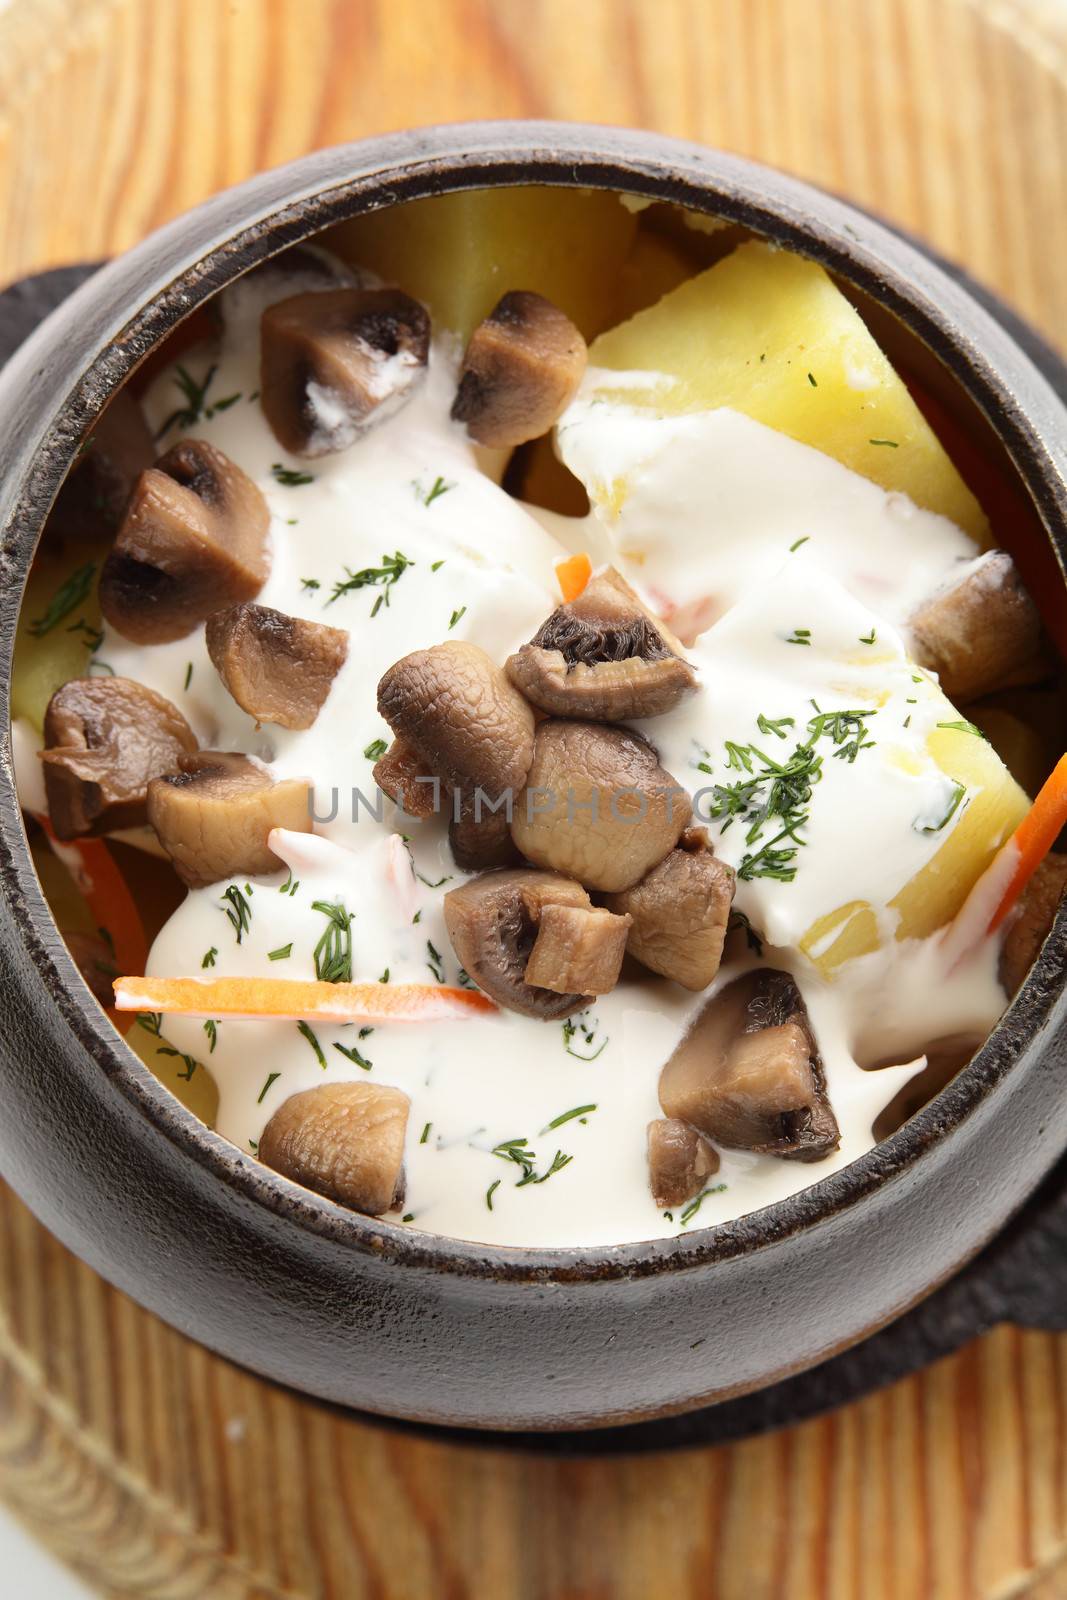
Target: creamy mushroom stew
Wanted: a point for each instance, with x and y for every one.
(552, 777)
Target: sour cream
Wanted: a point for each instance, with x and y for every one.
(792, 574)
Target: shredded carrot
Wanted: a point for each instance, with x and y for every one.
(253, 998)
(104, 888)
(1034, 837)
(573, 575)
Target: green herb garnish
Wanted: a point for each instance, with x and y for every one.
(211, 1028)
(375, 750)
(283, 952)
(238, 911)
(694, 1205)
(350, 1053)
(428, 496)
(67, 597)
(568, 1116)
(308, 1034)
(333, 953)
(289, 477)
(384, 577)
(209, 956)
(272, 1077)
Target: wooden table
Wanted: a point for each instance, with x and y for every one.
(159, 1470)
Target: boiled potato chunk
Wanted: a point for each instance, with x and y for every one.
(54, 641)
(767, 333)
(458, 253)
(993, 807)
(196, 1089)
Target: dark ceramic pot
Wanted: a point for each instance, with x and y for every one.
(384, 1318)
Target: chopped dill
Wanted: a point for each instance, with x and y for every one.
(375, 750)
(333, 953)
(568, 1116)
(238, 911)
(283, 952)
(694, 1205)
(209, 956)
(303, 1028)
(384, 577)
(435, 964)
(427, 497)
(350, 1053)
(211, 1028)
(66, 599)
(272, 1077)
(290, 477)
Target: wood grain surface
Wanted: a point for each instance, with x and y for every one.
(158, 1470)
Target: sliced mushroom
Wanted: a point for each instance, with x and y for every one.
(980, 632)
(597, 806)
(493, 922)
(457, 708)
(278, 668)
(333, 363)
(95, 960)
(602, 656)
(401, 774)
(577, 951)
(91, 502)
(194, 539)
(679, 1161)
(680, 912)
(481, 839)
(749, 1075)
(214, 815)
(521, 370)
(105, 740)
(345, 1141)
(1028, 932)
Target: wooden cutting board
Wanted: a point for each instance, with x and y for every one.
(158, 1470)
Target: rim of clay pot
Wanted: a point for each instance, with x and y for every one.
(127, 308)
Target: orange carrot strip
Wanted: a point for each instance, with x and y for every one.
(106, 892)
(1035, 836)
(573, 575)
(254, 998)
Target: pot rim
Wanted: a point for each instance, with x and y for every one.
(169, 274)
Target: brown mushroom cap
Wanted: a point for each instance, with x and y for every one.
(749, 1075)
(480, 839)
(455, 706)
(981, 632)
(492, 922)
(401, 774)
(278, 668)
(577, 951)
(93, 498)
(680, 912)
(598, 806)
(214, 815)
(105, 740)
(1027, 933)
(602, 656)
(344, 1140)
(679, 1161)
(194, 539)
(521, 370)
(333, 363)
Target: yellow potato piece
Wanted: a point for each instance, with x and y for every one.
(994, 806)
(458, 253)
(198, 1091)
(46, 660)
(767, 333)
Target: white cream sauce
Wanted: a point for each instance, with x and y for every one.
(708, 523)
